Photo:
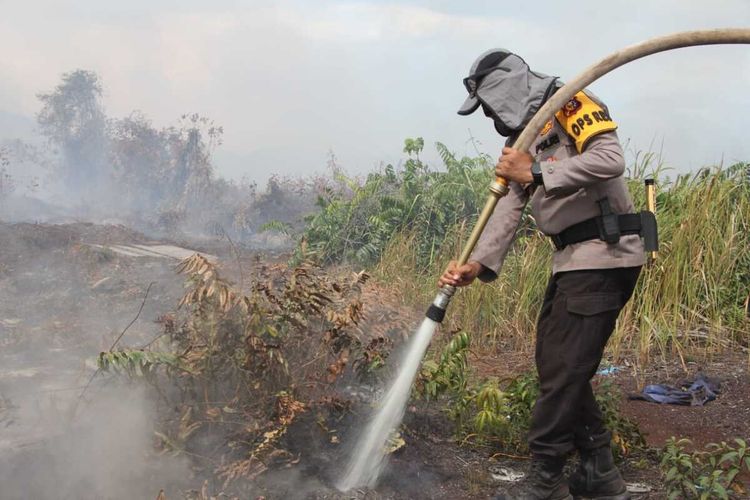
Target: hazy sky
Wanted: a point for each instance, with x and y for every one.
(291, 80)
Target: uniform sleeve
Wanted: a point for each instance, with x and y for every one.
(495, 241)
(602, 159)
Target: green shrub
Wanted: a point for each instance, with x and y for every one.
(408, 224)
(709, 473)
(499, 412)
(449, 373)
(357, 226)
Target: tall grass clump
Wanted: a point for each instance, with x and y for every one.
(502, 313)
(690, 299)
(693, 295)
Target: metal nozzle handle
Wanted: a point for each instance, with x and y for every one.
(498, 189)
(436, 311)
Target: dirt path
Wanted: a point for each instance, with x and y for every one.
(724, 419)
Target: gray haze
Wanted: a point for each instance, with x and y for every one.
(291, 80)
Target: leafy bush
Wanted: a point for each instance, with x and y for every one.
(487, 411)
(449, 373)
(709, 473)
(357, 226)
(500, 411)
(138, 363)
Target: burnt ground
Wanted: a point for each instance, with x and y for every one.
(63, 299)
(429, 465)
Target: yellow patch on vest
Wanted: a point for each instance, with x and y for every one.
(582, 119)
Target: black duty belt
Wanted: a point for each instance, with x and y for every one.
(599, 228)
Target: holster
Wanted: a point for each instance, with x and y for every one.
(649, 231)
(608, 223)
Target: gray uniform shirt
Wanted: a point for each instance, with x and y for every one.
(573, 183)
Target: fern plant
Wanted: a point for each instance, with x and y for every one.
(138, 363)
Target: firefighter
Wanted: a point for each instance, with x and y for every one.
(573, 176)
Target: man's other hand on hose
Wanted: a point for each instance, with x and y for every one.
(456, 275)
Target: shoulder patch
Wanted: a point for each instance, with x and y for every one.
(547, 127)
(582, 119)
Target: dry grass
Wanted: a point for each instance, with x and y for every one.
(691, 300)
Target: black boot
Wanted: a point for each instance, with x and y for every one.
(544, 482)
(597, 477)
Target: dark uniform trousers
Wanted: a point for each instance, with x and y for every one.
(578, 316)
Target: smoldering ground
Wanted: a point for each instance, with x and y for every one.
(106, 452)
(53, 322)
(279, 421)
(67, 297)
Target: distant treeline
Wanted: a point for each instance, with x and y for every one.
(162, 177)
